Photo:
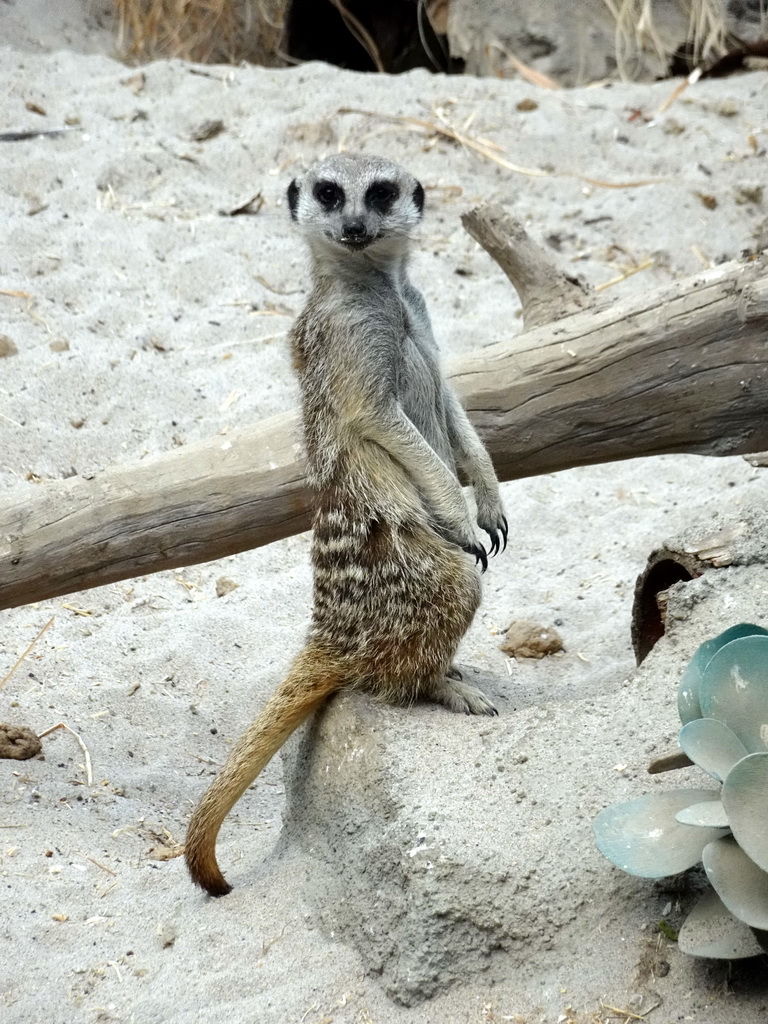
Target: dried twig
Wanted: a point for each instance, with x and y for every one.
(622, 277)
(488, 150)
(629, 1014)
(267, 944)
(526, 71)
(679, 89)
(86, 612)
(102, 866)
(79, 738)
(5, 679)
(23, 136)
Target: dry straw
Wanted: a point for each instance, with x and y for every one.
(205, 31)
(639, 31)
(229, 31)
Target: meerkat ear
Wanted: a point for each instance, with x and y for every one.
(293, 198)
(418, 197)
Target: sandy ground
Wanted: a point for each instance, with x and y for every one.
(142, 318)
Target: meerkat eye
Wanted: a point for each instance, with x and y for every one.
(329, 195)
(381, 195)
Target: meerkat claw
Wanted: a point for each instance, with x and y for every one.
(480, 555)
(495, 544)
(497, 533)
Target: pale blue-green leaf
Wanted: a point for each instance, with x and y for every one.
(688, 704)
(738, 881)
(734, 689)
(711, 930)
(643, 838)
(710, 814)
(712, 746)
(745, 799)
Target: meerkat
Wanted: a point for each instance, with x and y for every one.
(394, 591)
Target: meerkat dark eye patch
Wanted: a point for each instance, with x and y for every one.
(381, 195)
(418, 196)
(329, 195)
(293, 198)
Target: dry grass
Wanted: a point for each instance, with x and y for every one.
(638, 32)
(205, 31)
(19, 660)
(229, 31)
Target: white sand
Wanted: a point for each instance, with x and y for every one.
(145, 323)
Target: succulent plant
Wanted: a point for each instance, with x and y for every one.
(723, 705)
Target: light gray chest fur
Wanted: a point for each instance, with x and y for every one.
(370, 337)
(420, 380)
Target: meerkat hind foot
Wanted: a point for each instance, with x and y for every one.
(460, 696)
(454, 672)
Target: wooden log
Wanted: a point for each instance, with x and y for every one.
(677, 369)
(203, 501)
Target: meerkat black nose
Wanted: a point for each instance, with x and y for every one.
(354, 229)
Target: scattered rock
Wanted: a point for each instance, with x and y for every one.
(524, 639)
(206, 130)
(707, 200)
(167, 933)
(18, 742)
(224, 586)
(135, 82)
(727, 108)
(7, 347)
(671, 126)
(745, 194)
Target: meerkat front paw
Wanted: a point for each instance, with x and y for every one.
(462, 697)
(463, 535)
(491, 519)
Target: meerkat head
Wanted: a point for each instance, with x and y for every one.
(356, 202)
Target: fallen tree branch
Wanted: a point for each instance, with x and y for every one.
(193, 504)
(678, 369)
(546, 292)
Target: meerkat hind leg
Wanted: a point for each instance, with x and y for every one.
(460, 696)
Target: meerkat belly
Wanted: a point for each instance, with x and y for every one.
(390, 596)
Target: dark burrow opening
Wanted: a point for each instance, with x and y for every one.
(368, 35)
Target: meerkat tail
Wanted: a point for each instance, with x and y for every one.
(311, 679)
